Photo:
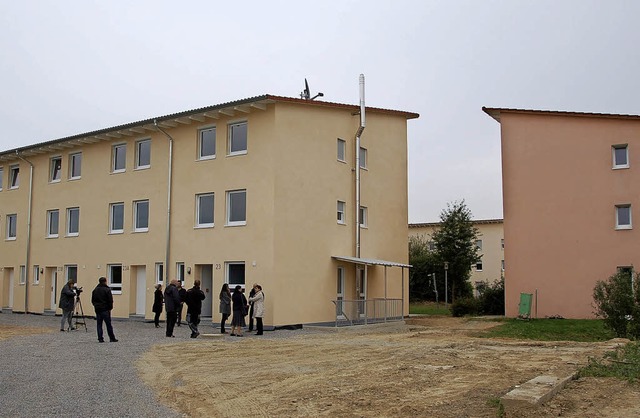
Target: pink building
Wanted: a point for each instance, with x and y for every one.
(571, 189)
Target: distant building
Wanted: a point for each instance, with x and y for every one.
(570, 198)
(490, 245)
(255, 190)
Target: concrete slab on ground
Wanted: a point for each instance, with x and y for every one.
(535, 392)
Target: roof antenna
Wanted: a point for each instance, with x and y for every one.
(306, 93)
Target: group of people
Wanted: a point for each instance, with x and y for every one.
(237, 303)
(174, 298)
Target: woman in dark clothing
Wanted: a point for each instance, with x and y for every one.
(158, 301)
(225, 306)
(237, 322)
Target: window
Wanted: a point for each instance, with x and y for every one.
(623, 216)
(479, 266)
(620, 154)
(502, 243)
(502, 265)
(114, 271)
(363, 157)
(14, 177)
(53, 220)
(479, 244)
(204, 210)
(23, 275)
(143, 154)
(237, 138)
(237, 207)
(159, 273)
(116, 218)
(342, 147)
(235, 273)
(119, 158)
(1, 177)
(141, 216)
(36, 274)
(12, 222)
(207, 143)
(363, 217)
(180, 272)
(431, 245)
(73, 222)
(71, 273)
(55, 167)
(341, 214)
(75, 166)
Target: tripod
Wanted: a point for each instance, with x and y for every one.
(79, 314)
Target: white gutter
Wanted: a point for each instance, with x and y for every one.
(28, 251)
(169, 181)
(358, 135)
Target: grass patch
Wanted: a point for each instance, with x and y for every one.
(586, 330)
(429, 308)
(624, 363)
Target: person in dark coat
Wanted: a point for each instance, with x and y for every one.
(102, 301)
(182, 292)
(194, 299)
(67, 301)
(171, 304)
(251, 294)
(239, 306)
(158, 301)
(225, 306)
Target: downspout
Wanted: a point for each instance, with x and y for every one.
(169, 181)
(28, 252)
(358, 135)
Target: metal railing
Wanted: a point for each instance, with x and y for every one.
(367, 311)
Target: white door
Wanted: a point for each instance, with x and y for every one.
(206, 285)
(141, 289)
(340, 294)
(362, 290)
(54, 288)
(10, 306)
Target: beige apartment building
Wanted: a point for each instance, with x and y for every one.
(490, 245)
(256, 190)
(569, 201)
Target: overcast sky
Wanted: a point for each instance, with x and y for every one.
(69, 67)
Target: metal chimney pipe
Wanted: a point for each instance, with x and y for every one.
(357, 168)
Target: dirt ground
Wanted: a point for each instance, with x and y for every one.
(10, 331)
(429, 368)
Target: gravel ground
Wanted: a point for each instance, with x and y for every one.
(71, 374)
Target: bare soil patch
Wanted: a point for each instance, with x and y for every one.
(429, 367)
(10, 331)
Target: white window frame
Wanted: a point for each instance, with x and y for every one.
(50, 232)
(180, 271)
(200, 140)
(227, 265)
(75, 164)
(114, 160)
(364, 217)
(200, 224)
(228, 220)
(342, 149)
(230, 128)
(479, 244)
(363, 158)
(615, 164)
(136, 227)
(11, 233)
(55, 169)
(36, 274)
(23, 275)
(68, 268)
(618, 224)
(159, 273)
(502, 266)
(116, 288)
(14, 177)
(112, 226)
(502, 243)
(341, 212)
(479, 265)
(68, 224)
(139, 145)
(1, 177)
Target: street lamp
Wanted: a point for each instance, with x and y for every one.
(446, 291)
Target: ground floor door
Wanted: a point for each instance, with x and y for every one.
(50, 288)
(340, 294)
(361, 290)
(141, 289)
(206, 284)
(7, 289)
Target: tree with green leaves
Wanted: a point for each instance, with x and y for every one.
(455, 244)
(424, 262)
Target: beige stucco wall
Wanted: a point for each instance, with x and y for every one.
(560, 193)
(293, 181)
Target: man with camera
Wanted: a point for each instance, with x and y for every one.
(67, 302)
(102, 301)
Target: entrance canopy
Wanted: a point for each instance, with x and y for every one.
(369, 261)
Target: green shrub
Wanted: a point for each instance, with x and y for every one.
(617, 301)
(465, 306)
(492, 298)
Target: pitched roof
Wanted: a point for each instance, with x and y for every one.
(495, 112)
(474, 222)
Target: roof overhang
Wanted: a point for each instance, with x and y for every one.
(370, 261)
(496, 112)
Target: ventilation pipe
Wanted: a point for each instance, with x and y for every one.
(358, 135)
(169, 181)
(28, 251)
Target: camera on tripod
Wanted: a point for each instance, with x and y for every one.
(78, 290)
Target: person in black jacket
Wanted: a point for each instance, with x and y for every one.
(182, 292)
(194, 299)
(172, 304)
(239, 306)
(67, 302)
(158, 300)
(252, 293)
(102, 301)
